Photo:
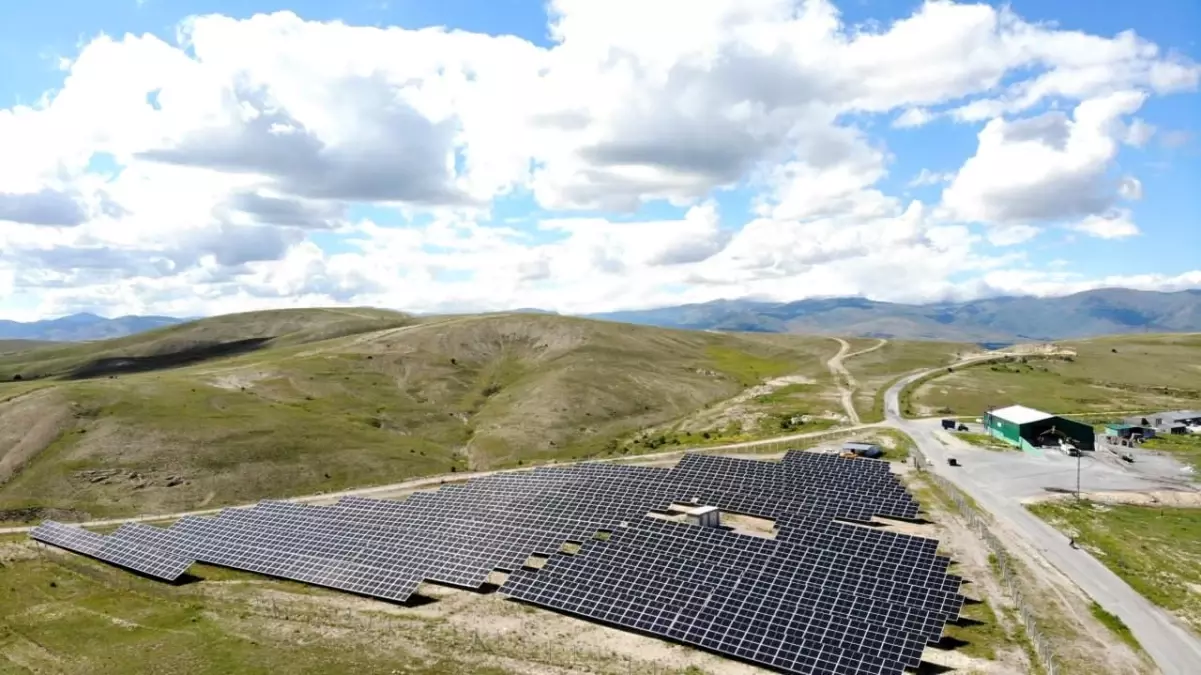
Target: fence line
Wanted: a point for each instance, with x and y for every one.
(1010, 579)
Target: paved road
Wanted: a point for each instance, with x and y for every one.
(998, 482)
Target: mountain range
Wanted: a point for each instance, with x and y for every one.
(1001, 319)
(994, 320)
(82, 327)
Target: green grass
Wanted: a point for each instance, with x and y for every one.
(68, 614)
(1134, 372)
(12, 346)
(1184, 447)
(60, 620)
(748, 369)
(1155, 550)
(903, 445)
(1115, 625)
(981, 640)
(984, 441)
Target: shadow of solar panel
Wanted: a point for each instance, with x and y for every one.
(822, 596)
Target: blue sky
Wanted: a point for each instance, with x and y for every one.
(785, 180)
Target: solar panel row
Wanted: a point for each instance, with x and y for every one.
(822, 597)
(118, 550)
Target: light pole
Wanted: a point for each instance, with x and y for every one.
(1079, 453)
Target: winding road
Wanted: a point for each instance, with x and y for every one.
(1000, 481)
(843, 378)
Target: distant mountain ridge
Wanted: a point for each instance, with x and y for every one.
(83, 327)
(992, 320)
(1003, 319)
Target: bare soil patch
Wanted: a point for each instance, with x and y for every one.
(28, 425)
(994, 649)
(1162, 498)
(238, 379)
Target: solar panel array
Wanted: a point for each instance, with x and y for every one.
(116, 549)
(823, 596)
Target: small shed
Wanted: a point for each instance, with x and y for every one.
(1119, 430)
(862, 449)
(1116, 430)
(704, 516)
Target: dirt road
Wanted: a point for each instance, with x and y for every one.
(842, 377)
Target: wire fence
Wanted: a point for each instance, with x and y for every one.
(1009, 576)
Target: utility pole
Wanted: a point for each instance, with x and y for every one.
(1079, 453)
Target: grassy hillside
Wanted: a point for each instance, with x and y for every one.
(294, 416)
(1122, 373)
(193, 342)
(13, 346)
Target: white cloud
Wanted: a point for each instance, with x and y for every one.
(1011, 235)
(928, 177)
(1044, 167)
(250, 140)
(913, 117)
(1138, 133)
(1130, 188)
(1115, 225)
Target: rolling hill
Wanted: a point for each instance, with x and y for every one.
(13, 346)
(1001, 320)
(242, 407)
(1105, 375)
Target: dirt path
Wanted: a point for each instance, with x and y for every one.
(843, 378)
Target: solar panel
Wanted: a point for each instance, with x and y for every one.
(823, 596)
(116, 549)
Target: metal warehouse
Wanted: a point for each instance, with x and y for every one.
(1030, 429)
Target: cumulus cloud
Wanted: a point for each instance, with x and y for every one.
(394, 153)
(1045, 167)
(1114, 225)
(248, 140)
